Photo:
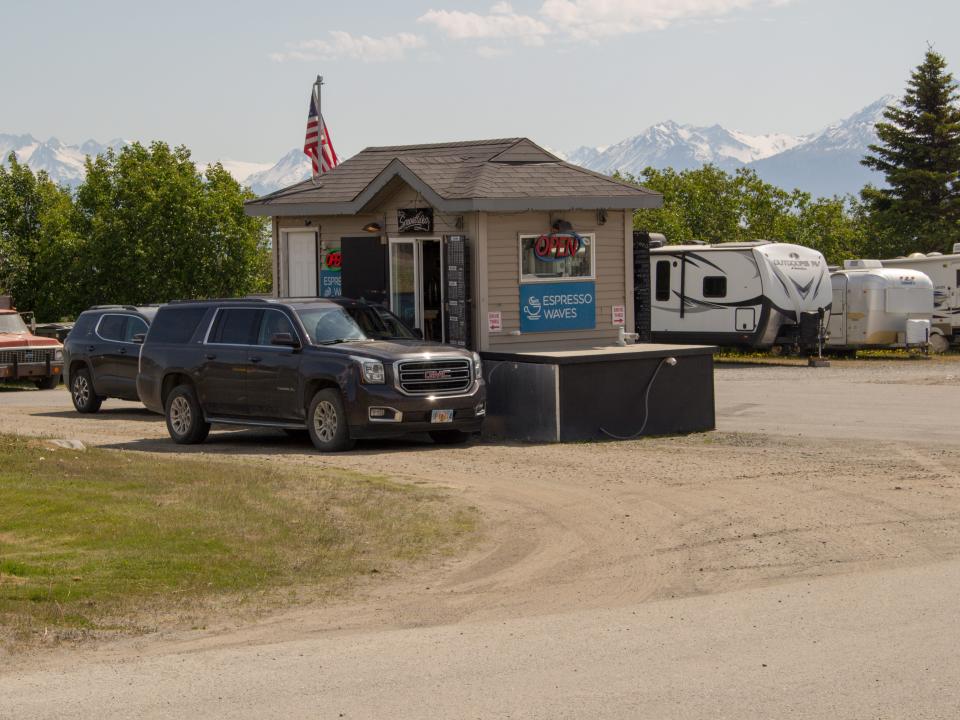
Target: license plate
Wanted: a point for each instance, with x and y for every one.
(441, 416)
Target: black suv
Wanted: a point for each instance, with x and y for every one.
(100, 354)
(340, 369)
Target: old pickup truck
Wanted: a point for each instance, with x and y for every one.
(25, 356)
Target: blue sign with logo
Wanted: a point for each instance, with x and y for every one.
(555, 307)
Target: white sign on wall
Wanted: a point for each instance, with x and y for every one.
(619, 315)
(494, 321)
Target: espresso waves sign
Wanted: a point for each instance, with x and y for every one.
(555, 307)
(415, 220)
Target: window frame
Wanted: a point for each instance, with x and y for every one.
(656, 280)
(703, 286)
(532, 280)
(264, 310)
(126, 319)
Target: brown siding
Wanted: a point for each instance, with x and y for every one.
(503, 231)
(335, 227)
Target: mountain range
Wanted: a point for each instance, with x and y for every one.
(823, 163)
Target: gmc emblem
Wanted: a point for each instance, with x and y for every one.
(436, 374)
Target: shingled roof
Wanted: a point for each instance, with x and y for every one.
(495, 175)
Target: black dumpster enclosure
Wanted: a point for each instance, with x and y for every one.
(605, 393)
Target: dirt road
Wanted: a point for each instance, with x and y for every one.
(635, 579)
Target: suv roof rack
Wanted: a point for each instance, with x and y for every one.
(116, 307)
(218, 301)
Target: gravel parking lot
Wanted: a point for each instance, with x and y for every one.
(829, 484)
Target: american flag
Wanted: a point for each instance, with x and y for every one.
(317, 144)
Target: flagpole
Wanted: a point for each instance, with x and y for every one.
(317, 92)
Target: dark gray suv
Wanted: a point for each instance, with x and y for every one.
(340, 369)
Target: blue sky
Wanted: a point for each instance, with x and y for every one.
(231, 79)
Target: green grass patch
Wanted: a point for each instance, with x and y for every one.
(103, 541)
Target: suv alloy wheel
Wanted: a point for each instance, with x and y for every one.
(81, 392)
(185, 421)
(327, 422)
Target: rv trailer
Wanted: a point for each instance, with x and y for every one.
(758, 295)
(944, 272)
(878, 307)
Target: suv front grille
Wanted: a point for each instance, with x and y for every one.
(434, 377)
(31, 355)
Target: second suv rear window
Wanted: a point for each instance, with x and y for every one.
(176, 325)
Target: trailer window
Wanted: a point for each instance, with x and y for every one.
(715, 286)
(663, 280)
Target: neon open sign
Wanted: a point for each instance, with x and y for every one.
(556, 246)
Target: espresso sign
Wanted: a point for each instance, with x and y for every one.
(418, 220)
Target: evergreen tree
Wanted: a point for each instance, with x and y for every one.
(919, 153)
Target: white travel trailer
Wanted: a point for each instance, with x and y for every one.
(757, 294)
(878, 307)
(944, 272)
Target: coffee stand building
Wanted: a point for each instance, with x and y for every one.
(500, 246)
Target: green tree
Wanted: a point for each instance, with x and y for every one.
(37, 242)
(155, 229)
(711, 205)
(919, 153)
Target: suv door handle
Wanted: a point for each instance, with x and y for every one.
(123, 351)
(255, 359)
(91, 348)
(210, 356)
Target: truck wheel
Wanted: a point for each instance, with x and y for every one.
(48, 383)
(938, 344)
(185, 421)
(449, 437)
(81, 392)
(327, 422)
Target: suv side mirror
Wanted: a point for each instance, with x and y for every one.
(284, 340)
(139, 338)
(418, 333)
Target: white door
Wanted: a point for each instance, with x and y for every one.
(302, 275)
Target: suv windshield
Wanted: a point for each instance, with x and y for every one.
(12, 323)
(332, 323)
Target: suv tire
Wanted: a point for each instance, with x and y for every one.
(327, 422)
(48, 383)
(81, 392)
(449, 437)
(185, 421)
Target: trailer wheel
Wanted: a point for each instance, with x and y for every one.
(938, 344)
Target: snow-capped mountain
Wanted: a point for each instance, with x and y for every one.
(828, 163)
(823, 163)
(682, 147)
(63, 163)
(290, 169)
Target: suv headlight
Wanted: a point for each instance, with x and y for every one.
(371, 371)
(477, 366)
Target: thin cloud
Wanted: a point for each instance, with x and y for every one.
(342, 44)
(488, 52)
(502, 22)
(587, 19)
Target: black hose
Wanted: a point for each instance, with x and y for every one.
(646, 407)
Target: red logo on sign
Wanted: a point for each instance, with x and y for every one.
(557, 246)
(334, 260)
